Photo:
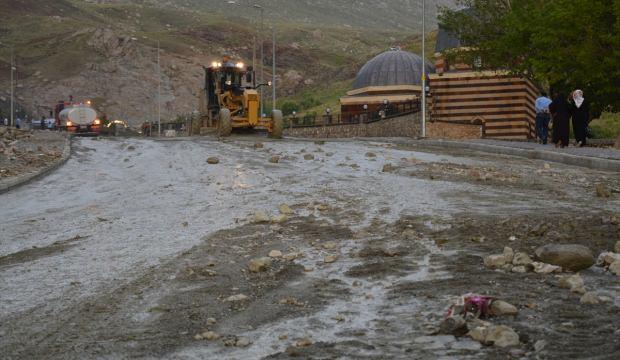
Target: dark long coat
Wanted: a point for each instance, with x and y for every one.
(560, 110)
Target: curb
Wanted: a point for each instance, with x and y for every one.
(568, 159)
(8, 185)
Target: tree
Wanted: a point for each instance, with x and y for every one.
(565, 44)
(288, 107)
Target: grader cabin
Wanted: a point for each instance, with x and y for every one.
(497, 103)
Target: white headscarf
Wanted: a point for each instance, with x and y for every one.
(578, 98)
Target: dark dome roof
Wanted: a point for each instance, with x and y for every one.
(393, 67)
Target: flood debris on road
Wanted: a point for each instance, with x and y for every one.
(330, 258)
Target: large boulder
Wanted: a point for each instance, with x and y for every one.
(571, 256)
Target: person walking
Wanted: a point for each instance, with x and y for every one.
(560, 110)
(542, 117)
(580, 112)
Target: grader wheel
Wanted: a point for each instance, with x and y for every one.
(225, 123)
(277, 124)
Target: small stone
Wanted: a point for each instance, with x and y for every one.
(495, 261)
(339, 318)
(512, 238)
(499, 307)
(259, 264)
(319, 142)
(571, 256)
(322, 207)
(260, 217)
(547, 166)
(211, 321)
(274, 159)
(308, 157)
(542, 268)
(236, 298)
(508, 254)
(478, 333)
(330, 259)
(607, 258)
(243, 342)
(283, 337)
(291, 256)
(198, 337)
(279, 219)
(519, 269)
(286, 210)
(521, 259)
(275, 254)
(213, 160)
(185, 224)
(258, 145)
(589, 298)
(453, 325)
(614, 268)
(602, 191)
(304, 342)
(330, 245)
(573, 282)
(210, 335)
(308, 268)
(540, 345)
(502, 336)
(390, 252)
(387, 168)
(371, 155)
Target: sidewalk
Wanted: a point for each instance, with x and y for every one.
(604, 159)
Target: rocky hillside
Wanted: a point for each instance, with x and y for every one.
(106, 50)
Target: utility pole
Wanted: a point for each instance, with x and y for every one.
(12, 123)
(273, 70)
(423, 68)
(262, 56)
(158, 93)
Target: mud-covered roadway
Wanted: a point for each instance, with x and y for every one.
(135, 247)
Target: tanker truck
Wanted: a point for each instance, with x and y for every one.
(79, 118)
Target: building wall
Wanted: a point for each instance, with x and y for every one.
(446, 130)
(503, 102)
(403, 126)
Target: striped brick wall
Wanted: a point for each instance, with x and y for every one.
(502, 102)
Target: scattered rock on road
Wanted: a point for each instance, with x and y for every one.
(210, 335)
(242, 342)
(236, 298)
(304, 342)
(286, 210)
(274, 159)
(259, 145)
(259, 264)
(260, 217)
(614, 268)
(571, 256)
(617, 248)
(521, 259)
(387, 168)
(495, 261)
(275, 254)
(330, 259)
(499, 307)
(574, 283)
(602, 191)
(542, 268)
(309, 157)
(371, 155)
(589, 298)
(213, 160)
(508, 254)
(497, 335)
(279, 219)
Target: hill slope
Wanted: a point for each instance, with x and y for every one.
(106, 50)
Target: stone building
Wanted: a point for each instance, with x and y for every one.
(468, 100)
(390, 81)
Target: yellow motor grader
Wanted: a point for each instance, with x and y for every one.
(230, 100)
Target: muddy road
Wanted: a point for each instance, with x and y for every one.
(140, 249)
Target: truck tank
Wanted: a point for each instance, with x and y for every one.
(78, 115)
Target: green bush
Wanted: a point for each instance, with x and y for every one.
(288, 107)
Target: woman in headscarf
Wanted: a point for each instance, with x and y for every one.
(560, 110)
(580, 111)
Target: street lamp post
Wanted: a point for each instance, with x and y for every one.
(423, 68)
(262, 54)
(273, 70)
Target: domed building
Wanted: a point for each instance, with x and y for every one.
(392, 79)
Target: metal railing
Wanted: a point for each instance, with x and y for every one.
(386, 112)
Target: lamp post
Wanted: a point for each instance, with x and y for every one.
(423, 68)
(158, 93)
(262, 54)
(273, 70)
(12, 89)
